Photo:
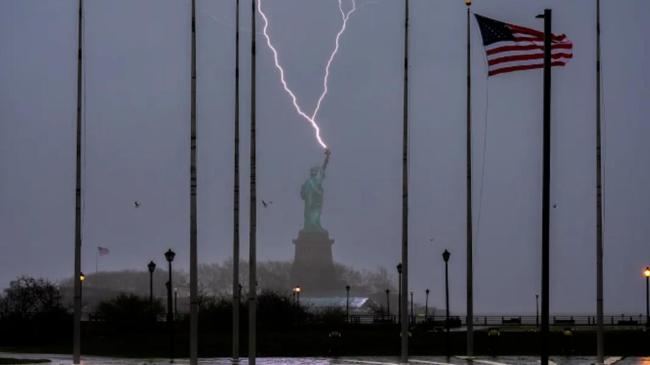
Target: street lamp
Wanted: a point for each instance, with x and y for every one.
(388, 302)
(412, 315)
(646, 273)
(169, 256)
(347, 303)
(536, 310)
(82, 277)
(296, 292)
(176, 303)
(399, 293)
(152, 267)
(445, 257)
(426, 305)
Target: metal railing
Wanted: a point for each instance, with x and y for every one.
(503, 321)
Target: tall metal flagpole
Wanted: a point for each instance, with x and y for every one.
(599, 205)
(76, 348)
(546, 188)
(235, 248)
(470, 269)
(194, 312)
(405, 174)
(252, 260)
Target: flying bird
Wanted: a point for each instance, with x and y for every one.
(266, 203)
(136, 204)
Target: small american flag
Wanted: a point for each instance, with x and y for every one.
(510, 47)
(103, 251)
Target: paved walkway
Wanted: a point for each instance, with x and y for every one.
(415, 360)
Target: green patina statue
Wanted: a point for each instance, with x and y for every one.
(312, 193)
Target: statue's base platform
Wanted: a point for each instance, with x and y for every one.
(313, 266)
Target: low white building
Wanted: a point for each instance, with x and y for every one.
(358, 305)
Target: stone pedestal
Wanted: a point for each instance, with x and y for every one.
(313, 265)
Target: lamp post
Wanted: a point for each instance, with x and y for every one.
(82, 277)
(347, 303)
(176, 303)
(426, 305)
(296, 292)
(388, 302)
(298, 295)
(537, 310)
(152, 267)
(399, 294)
(445, 257)
(412, 313)
(646, 273)
(169, 256)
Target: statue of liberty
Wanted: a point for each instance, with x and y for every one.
(312, 193)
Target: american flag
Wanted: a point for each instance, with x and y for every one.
(103, 251)
(510, 47)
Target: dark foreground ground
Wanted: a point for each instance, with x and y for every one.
(15, 361)
(342, 340)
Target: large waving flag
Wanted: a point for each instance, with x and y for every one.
(510, 47)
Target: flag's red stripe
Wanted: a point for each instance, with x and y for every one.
(524, 30)
(525, 48)
(523, 67)
(525, 57)
(533, 32)
(539, 40)
(524, 37)
(556, 38)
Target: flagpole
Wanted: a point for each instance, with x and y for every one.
(546, 188)
(76, 348)
(470, 266)
(194, 313)
(405, 175)
(252, 260)
(235, 249)
(599, 205)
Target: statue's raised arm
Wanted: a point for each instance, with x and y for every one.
(326, 161)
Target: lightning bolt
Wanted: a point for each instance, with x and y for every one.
(345, 16)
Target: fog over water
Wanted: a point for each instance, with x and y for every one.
(137, 105)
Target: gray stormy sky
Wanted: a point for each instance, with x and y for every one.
(137, 119)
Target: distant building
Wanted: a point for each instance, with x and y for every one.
(358, 305)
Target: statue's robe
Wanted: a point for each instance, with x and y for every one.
(312, 193)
